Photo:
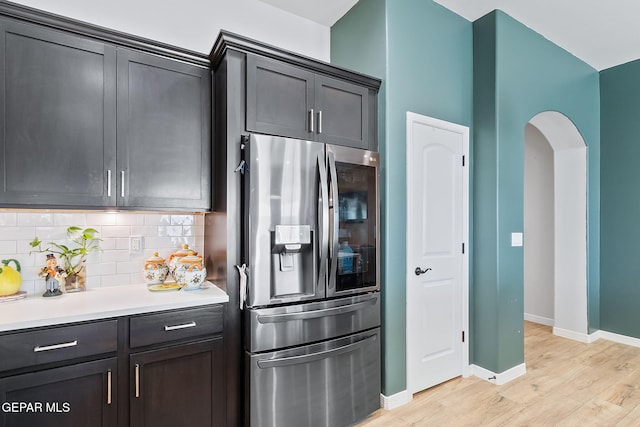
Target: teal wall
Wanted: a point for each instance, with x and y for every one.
(620, 282)
(425, 54)
(518, 74)
(426, 65)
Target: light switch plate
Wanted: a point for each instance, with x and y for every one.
(516, 239)
(136, 244)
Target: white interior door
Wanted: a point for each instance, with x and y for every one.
(437, 273)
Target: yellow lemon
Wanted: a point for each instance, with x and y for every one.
(10, 279)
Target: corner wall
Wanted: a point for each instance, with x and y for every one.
(620, 290)
(518, 74)
(425, 51)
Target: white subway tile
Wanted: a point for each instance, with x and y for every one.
(136, 278)
(102, 269)
(115, 256)
(94, 257)
(116, 231)
(187, 231)
(129, 267)
(145, 230)
(18, 233)
(28, 219)
(108, 243)
(49, 233)
(115, 280)
(101, 218)
(31, 272)
(28, 286)
(8, 247)
(8, 219)
(160, 243)
(157, 219)
(182, 219)
(24, 247)
(70, 219)
(93, 282)
(122, 243)
(129, 218)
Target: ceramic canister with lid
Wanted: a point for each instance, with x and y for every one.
(190, 273)
(174, 258)
(155, 270)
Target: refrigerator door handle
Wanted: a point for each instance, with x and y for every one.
(306, 358)
(307, 315)
(333, 248)
(323, 222)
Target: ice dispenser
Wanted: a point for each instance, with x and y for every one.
(292, 259)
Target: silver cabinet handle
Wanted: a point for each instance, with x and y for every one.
(55, 346)
(109, 183)
(121, 183)
(311, 120)
(137, 380)
(109, 387)
(319, 121)
(183, 326)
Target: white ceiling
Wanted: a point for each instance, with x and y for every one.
(603, 33)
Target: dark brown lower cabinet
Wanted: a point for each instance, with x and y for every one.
(178, 386)
(83, 394)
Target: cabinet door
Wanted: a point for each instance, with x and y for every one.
(179, 386)
(342, 112)
(164, 133)
(57, 118)
(72, 396)
(279, 98)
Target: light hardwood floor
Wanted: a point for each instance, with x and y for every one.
(567, 384)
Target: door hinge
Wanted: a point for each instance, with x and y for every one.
(463, 159)
(462, 336)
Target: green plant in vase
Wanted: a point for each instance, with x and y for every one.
(72, 257)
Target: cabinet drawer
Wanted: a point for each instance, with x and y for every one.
(56, 344)
(175, 325)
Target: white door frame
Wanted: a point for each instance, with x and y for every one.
(410, 185)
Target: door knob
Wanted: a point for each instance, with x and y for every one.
(418, 271)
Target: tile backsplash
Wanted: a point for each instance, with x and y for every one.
(112, 265)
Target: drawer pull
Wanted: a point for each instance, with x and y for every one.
(55, 346)
(109, 387)
(137, 380)
(183, 326)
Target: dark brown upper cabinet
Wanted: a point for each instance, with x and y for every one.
(288, 100)
(164, 133)
(57, 116)
(87, 123)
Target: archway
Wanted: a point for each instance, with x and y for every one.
(569, 223)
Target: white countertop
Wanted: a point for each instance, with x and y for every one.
(100, 303)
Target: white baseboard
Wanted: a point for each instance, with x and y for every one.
(501, 378)
(538, 319)
(395, 400)
(622, 339)
(572, 335)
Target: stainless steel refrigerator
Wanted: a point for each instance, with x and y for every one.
(312, 299)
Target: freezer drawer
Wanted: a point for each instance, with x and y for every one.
(334, 383)
(272, 328)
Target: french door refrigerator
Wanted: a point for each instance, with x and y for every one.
(312, 300)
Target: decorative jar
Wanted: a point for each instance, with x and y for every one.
(155, 270)
(189, 272)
